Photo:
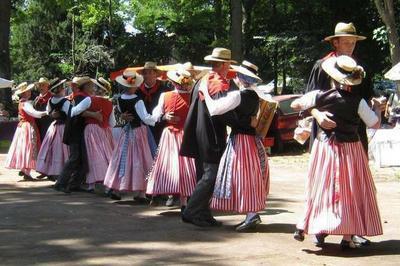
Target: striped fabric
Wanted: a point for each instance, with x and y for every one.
(136, 166)
(249, 181)
(99, 147)
(24, 147)
(53, 153)
(340, 192)
(171, 173)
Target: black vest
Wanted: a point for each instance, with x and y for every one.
(129, 106)
(344, 107)
(58, 108)
(242, 114)
(74, 126)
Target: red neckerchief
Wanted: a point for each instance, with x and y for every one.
(215, 84)
(43, 99)
(148, 92)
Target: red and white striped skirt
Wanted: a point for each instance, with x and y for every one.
(171, 173)
(340, 192)
(24, 147)
(53, 153)
(131, 161)
(243, 174)
(99, 147)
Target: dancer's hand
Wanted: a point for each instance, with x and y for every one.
(172, 118)
(98, 116)
(323, 119)
(379, 103)
(127, 117)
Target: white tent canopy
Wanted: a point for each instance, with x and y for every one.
(393, 73)
(4, 83)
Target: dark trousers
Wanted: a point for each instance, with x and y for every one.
(199, 203)
(75, 169)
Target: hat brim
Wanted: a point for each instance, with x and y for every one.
(210, 58)
(246, 72)
(98, 84)
(123, 82)
(53, 88)
(157, 70)
(172, 76)
(329, 66)
(27, 88)
(358, 37)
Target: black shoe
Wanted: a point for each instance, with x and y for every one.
(141, 200)
(52, 178)
(299, 235)
(28, 177)
(41, 176)
(214, 222)
(112, 195)
(250, 224)
(319, 239)
(20, 173)
(345, 245)
(60, 188)
(360, 241)
(195, 221)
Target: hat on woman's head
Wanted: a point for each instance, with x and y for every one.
(43, 80)
(344, 70)
(54, 89)
(130, 78)
(180, 76)
(248, 72)
(24, 87)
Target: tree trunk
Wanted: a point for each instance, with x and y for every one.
(236, 29)
(219, 30)
(5, 64)
(247, 20)
(387, 13)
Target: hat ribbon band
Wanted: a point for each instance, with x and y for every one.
(252, 70)
(346, 32)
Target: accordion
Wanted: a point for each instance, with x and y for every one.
(264, 117)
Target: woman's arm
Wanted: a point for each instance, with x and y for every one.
(28, 108)
(143, 114)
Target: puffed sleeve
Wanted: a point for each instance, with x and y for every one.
(143, 114)
(28, 108)
(366, 114)
(81, 107)
(158, 111)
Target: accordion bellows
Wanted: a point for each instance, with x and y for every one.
(264, 117)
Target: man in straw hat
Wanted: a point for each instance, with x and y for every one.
(343, 42)
(150, 92)
(205, 137)
(40, 104)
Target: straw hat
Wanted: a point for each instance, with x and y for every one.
(345, 30)
(54, 88)
(393, 73)
(80, 81)
(249, 70)
(150, 66)
(24, 87)
(103, 84)
(180, 76)
(43, 80)
(130, 78)
(344, 70)
(220, 55)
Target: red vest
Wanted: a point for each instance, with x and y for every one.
(24, 116)
(103, 105)
(179, 104)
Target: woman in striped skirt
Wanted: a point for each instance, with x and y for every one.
(243, 176)
(53, 152)
(340, 194)
(173, 174)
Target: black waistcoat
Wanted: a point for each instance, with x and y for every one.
(128, 105)
(74, 126)
(344, 107)
(58, 108)
(242, 114)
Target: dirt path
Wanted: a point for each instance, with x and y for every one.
(44, 227)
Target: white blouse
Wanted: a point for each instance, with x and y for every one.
(28, 108)
(141, 110)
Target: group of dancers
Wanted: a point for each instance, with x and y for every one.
(156, 140)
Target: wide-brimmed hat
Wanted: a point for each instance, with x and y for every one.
(43, 80)
(393, 73)
(80, 81)
(56, 86)
(249, 70)
(220, 55)
(102, 84)
(130, 78)
(150, 65)
(344, 70)
(180, 76)
(345, 30)
(24, 87)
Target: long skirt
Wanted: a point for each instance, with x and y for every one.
(99, 147)
(242, 182)
(171, 173)
(131, 161)
(53, 153)
(340, 192)
(24, 147)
